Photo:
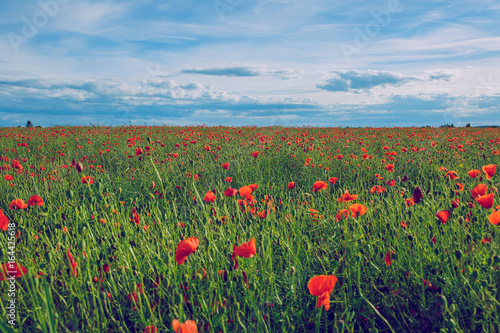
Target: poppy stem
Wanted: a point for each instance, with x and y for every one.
(369, 303)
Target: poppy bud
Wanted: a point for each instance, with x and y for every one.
(79, 167)
(417, 194)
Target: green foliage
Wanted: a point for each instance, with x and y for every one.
(124, 228)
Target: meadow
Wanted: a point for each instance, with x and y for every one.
(249, 229)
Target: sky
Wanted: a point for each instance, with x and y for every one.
(250, 62)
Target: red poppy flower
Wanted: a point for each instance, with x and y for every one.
(4, 221)
(291, 185)
(388, 258)
(209, 197)
(478, 191)
(489, 170)
(246, 250)
(138, 151)
(12, 269)
(322, 286)
(347, 197)
(230, 192)
(35, 200)
(18, 203)
(473, 173)
(245, 191)
(255, 154)
(87, 179)
(229, 180)
(17, 165)
(378, 189)
(494, 218)
(358, 209)
(409, 202)
(72, 263)
(319, 185)
(189, 326)
(150, 329)
(486, 201)
(225, 166)
(254, 187)
(443, 216)
(486, 240)
(343, 213)
(185, 248)
(333, 180)
(452, 174)
(8, 177)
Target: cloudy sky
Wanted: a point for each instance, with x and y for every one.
(250, 62)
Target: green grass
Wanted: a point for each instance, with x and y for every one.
(451, 285)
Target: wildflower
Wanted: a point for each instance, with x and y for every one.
(230, 192)
(87, 179)
(253, 187)
(478, 191)
(322, 286)
(12, 269)
(489, 170)
(358, 209)
(486, 201)
(388, 258)
(18, 203)
(209, 197)
(291, 185)
(189, 326)
(343, 213)
(333, 180)
(347, 197)
(246, 250)
(319, 185)
(245, 191)
(185, 248)
(473, 173)
(225, 166)
(443, 216)
(494, 218)
(255, 154)
(409, 202)
(35, 200)
(4, 221)
(150, 329)
(72, 263)
(378, 189)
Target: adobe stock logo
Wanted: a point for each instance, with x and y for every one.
(363, 36)
(48, 9)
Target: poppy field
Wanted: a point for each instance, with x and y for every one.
(249, 229)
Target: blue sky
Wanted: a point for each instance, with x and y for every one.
(250, 62)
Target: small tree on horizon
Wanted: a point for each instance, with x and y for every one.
(29, 124)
